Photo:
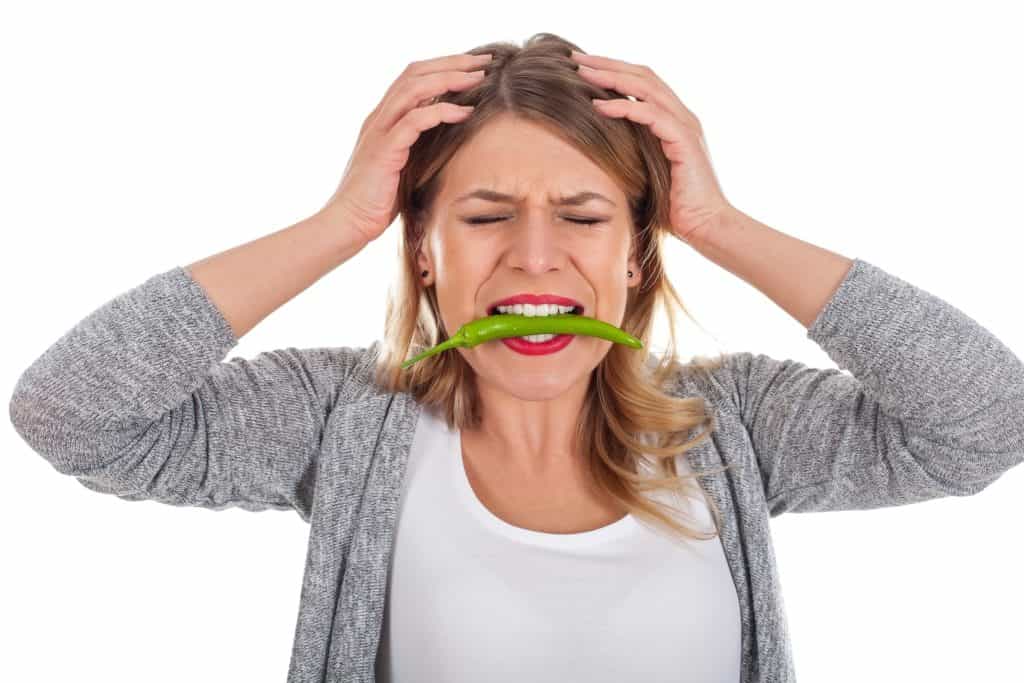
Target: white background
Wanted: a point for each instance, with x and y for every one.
(139, 136)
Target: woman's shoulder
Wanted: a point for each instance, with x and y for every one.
(704, 375)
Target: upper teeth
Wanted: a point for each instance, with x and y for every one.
(535, 309)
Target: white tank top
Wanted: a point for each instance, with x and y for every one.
(471, 597)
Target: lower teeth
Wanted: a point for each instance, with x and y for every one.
(537, 338)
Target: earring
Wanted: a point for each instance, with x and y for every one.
(629, 273)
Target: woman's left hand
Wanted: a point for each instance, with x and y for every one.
(696, 199)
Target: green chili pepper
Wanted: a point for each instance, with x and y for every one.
(511, 325)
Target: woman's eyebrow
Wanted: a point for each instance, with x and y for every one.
(571, 200)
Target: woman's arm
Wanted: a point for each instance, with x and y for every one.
(136, 400)
(798, 276)
(249, 282)
(934, 405)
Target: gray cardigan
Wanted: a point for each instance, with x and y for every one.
(137, 401)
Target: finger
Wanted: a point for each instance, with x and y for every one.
(675, 137)
(606, 62)
(408, 129)
(637, 85)
(460, 62)
(424, 91)
(619, 66)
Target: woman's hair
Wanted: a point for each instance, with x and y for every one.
(626, 416)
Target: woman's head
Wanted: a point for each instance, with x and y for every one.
(479, 249)
(534, 136)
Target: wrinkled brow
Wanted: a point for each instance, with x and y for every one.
(492, 196)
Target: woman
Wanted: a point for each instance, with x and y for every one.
(492, 513)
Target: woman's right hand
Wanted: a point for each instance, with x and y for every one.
(368, 189)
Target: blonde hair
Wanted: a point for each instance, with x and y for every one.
(625, 415)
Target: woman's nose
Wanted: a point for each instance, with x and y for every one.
(537, 244)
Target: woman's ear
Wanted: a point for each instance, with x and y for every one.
(634, 279)
(424, 266)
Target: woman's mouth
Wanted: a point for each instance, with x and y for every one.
(549, 344)
(515, 330)
(537, 344)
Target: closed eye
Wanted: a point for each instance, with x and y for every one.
(495, 219)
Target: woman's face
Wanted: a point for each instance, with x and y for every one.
(533, 247)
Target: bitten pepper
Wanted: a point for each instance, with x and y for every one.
(511, 325)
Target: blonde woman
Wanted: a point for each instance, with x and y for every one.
(529, 510)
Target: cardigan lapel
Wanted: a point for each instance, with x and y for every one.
(739, 495)
(360, 605)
